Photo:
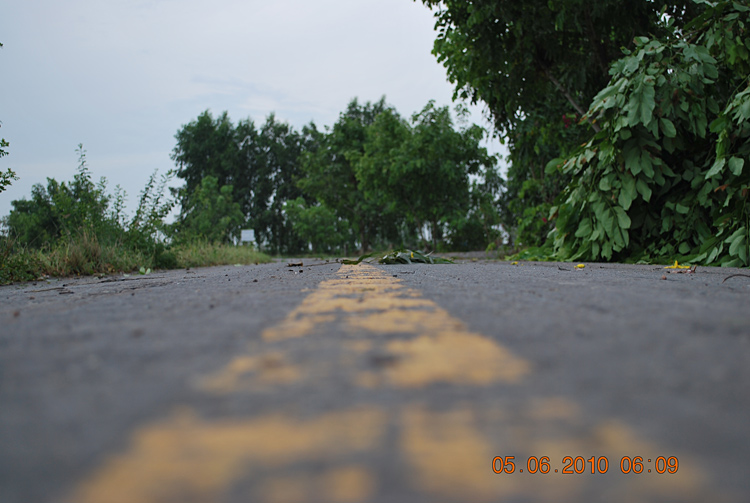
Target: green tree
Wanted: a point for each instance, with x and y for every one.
(63, 209)
(318, 225)
(260, 164)
(6, 177)
(667, 175)
(210, 214)
(276, 172)
(533, 63)
(422, 170)
(210, 147)
(329, 173)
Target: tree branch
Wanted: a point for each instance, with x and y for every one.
(570, 99)
(597, 48)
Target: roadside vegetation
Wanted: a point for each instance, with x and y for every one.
(628, 123)
(77, 228)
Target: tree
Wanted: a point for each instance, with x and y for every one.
(260, 164)
(210, 214)
(329, 174)
(532, 63)
(210, 147)
(667, 174)
(423, 169)
(318, 225)
(275, 175)
(7, 177)
(63, 209)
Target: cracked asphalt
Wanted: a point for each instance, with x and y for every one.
(370, 383)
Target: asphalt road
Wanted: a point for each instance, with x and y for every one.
(398, 384)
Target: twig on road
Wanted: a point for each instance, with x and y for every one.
(735, 275)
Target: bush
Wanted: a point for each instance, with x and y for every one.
(666, 176)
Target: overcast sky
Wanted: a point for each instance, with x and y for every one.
(121, 77)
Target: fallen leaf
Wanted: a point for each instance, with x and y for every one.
(677, 266)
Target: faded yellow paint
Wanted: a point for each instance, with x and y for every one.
(411, 343)
(367, 300)
(251, 373)
(346, 484)
(447, 456)
(455, 357)
(618, 440)
(349, 484)
(185, 458)
(550, 408)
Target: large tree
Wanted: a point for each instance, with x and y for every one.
(667, 177)
(210, 147)
(536, 65)
(422, 169)
(276, 170)
(210, 214)
(329, 170)
(261, 165)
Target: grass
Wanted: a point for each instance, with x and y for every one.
(84, 255)
(201, 253)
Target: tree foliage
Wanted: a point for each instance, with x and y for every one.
(536, 65)
(62, 209)
(260, 164)
(372, 179)
(666, 175)
(209, 214)
(329, 171)
(318, 225)
(80, 215)
(422, 169)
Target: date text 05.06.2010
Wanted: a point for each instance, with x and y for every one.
(593, 465)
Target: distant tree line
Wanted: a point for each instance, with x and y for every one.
(373, 179)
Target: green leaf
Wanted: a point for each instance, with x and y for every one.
(717, 167)
(632, 155)
(643, 189)
(631, 65)
(667, 127)
(604, 184)
(622, 218)
(584, 229)
(627, 192)
(681, 209)
(735, 165)
(359, 260)
(553, 165)
(719, 124)
(648, 104)
(646, 165)
(738, 244)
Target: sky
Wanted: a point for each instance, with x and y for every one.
(121, 77)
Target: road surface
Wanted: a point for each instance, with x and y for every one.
(368, 383)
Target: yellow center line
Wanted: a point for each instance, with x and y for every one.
(446, 452)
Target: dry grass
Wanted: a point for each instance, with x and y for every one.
(84, 255)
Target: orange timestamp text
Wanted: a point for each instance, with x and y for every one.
(572, 465)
